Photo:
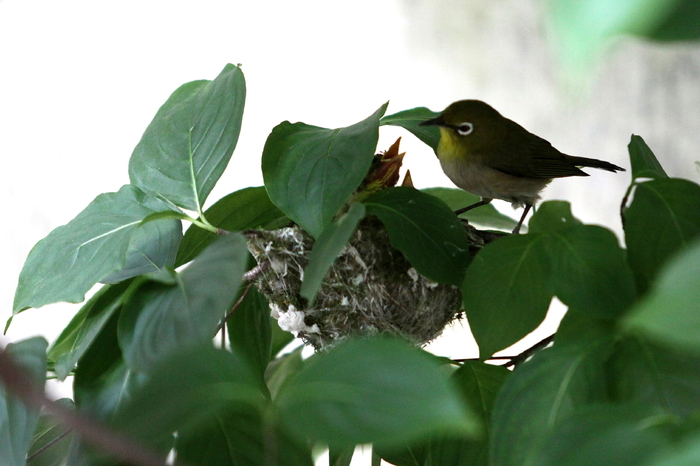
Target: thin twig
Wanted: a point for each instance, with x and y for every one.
(515, 360)
(235, 306)
(530, 351)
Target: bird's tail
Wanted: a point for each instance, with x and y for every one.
(594, 163)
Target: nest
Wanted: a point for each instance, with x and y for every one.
(370, 289)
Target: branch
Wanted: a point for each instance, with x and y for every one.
(515, 360)
(15, 379)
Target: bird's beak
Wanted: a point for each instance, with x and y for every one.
(437, 121)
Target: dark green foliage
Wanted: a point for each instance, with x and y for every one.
(619, 385)
(425, 230)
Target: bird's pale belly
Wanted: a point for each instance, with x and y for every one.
(493, 184)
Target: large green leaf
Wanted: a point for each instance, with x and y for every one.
(187, 146)
(84, 328)
(52, 439)
(249, 329)
(644, 162)
(372, 390)
(185, 388)
(310, 171)
(589, 271)
(325, 250)
(685, 453)
(541, 393)
(17, 420)
(425, 230)
(680, 24)
(647, 373)
(664, 218)
(282, 369)
(411, 119)
(505, 291)
(74, 257)
(485, 215)
(245, 209)
(152, 248)
(552, 217)
(102, 380)
(479, 384)
(159, 318)
(241, 438)
(603, 435)
(669, 313)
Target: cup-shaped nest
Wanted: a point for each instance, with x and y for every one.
(370, 289)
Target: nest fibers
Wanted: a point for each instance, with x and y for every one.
(370, 289)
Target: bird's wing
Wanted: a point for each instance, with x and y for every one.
(536, 156)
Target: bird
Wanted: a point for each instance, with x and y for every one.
(487, 154)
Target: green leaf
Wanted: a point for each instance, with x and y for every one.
(280, 338)
(485, 215)
(652, 375)
(644, 162)
(241, 210)
(505, 291)
(17, 420)
(74, 257)
(187, 146)
(680, 24)
(325, 250)
(359, 392)
(669, 313)
(83, 329)
(552, 217)
(411, 119)
(340, 456)
(282, 369)
(685, 453)
(249, 330)
(241, 438)
(604, 435)
(52, 439)
(153, 247)
(479, 384)
(576, 327)
(663, 219)
(589, 271)
(159, 318)
(542, 392)
(184, 389)
(102, 380)
(425, 230)
(310, 172)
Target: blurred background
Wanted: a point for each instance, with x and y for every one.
(80, 81)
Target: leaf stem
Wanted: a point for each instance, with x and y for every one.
(203, 223)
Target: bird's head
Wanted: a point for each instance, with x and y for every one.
(467, 126)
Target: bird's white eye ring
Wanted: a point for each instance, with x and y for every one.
(464, 129)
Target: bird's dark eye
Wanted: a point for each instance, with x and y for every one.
(464, 129)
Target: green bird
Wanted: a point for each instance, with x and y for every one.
(487, 154)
